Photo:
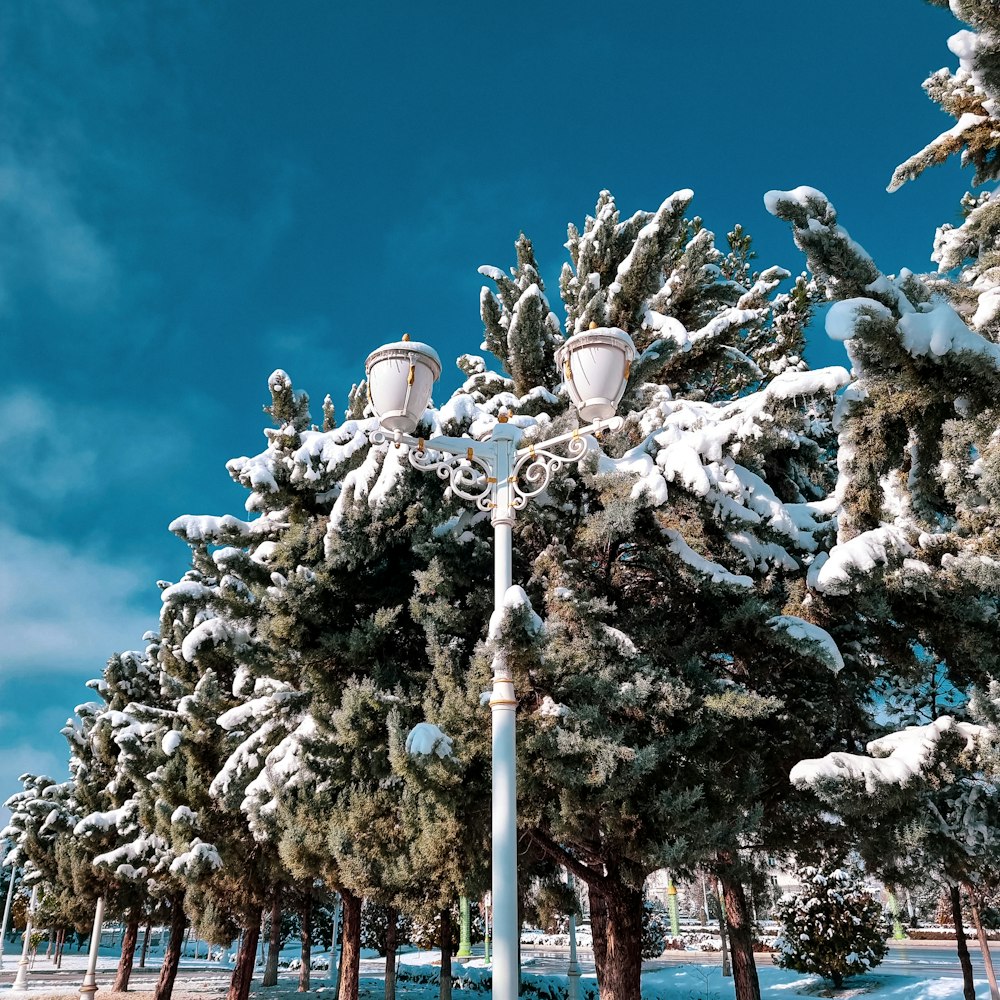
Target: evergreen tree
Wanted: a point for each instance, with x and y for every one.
(670, 628)
(834, 928)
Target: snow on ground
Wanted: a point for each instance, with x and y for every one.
(418, 973)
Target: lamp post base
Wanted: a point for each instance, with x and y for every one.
(573, 974)
(21, 979)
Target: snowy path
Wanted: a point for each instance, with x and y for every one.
(687, 976)
(679, 982)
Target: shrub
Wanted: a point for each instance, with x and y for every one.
(834, 928)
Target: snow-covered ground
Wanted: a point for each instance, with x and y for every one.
(419, 970)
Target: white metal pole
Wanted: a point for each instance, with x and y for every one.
(503, 707)
(574, 971)
(6, 913)
(335, 938)
(89, 985)
(21, 979)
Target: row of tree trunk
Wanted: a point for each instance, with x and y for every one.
(616, 915)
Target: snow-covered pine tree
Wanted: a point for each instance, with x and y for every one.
(968, 94)
(674, 634)
(106, 800)
(919, 442)
(40, 830)
(834, 927)
(925, 800)
(206, 640)
(335, 653)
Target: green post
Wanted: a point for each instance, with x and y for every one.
(898, 934)
(465, 938)
(675, 927)
(487, 901)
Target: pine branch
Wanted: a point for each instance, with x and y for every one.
(593, 878)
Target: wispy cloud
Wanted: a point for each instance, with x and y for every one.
(66, 611)
(48, 247)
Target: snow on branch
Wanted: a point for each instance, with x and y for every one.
(800, 629)
(896, 759)
(425, 739)
(832, 574)
(514, 600)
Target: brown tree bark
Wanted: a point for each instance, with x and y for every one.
(599, 930)
(145, 943)
(246, 957)
(622, 946)
(350, 948)
(274, 942)
(984, 944)
(60, 943)
(444, 988)
(391, 943)
(968, 981)
(172, 955)
(745, 980)
(306, 937)
(129, 940)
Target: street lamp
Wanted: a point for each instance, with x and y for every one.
(498, 476)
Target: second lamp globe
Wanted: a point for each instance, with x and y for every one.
(595, 365)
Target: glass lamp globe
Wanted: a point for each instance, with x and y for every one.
(595, 365)
(400, 379)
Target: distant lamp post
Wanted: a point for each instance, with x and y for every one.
(573, 972)
(21, 979)
(498, 476)
(89, 986)
(6, 912)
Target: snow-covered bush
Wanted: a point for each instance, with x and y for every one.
(834, 928)
(655, 928)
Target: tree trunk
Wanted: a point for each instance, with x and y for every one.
(274, 942)
(984, 944)
(129, 940)
(145, 943)
(444, 991)
(392, 915)
(246, 957)
(172, 953)
(621, 965)
(306, 918)
(60, 944)
(599, 930)
(969, 983)
(745, 979)
(727, 966)
(350, 948)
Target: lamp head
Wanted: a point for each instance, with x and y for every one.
(400, 379)
(596, 365)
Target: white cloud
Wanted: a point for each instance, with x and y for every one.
(67, 611)
(49, 241)
(42, 459)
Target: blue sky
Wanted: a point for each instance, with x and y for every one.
(192, 195)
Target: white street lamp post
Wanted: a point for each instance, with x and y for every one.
(89, 985)
(21, 979)
(6, 913)
(573, 972)
(500, 478)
